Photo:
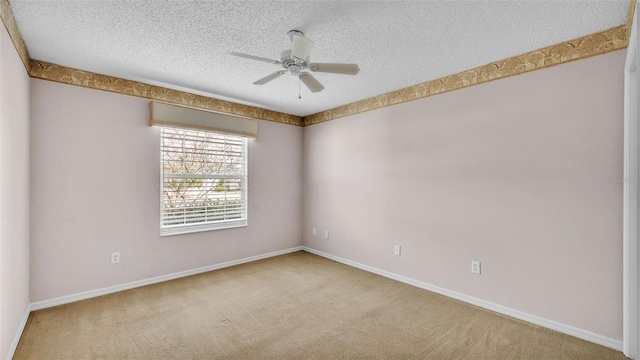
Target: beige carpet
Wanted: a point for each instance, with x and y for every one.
(295, 306)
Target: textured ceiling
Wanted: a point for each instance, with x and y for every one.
(184, 45)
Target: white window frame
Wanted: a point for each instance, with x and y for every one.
(167, 230)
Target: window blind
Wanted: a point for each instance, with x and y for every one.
(204, 180)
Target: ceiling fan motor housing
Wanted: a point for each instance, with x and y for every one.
(294, 66)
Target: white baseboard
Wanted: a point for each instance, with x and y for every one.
(563, 328)
(550, 324)
(16, 337)
(134, 284)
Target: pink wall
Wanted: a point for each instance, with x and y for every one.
(14, 192)
(514, 173)
(95, 166)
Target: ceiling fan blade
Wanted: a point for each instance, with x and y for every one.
(247, 56)
(347, 69)
(269, 77)
(311, 82)
(300, 47)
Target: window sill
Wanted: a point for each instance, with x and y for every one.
(179, 230)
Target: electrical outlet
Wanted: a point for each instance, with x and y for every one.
(326, 234)
(314, 232)
(396, 250)
(115, 257)
(475, 267)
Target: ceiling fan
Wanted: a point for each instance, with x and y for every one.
(296, 61)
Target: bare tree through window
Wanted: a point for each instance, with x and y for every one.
(204, 177)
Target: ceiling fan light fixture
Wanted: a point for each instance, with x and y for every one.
(295, 69)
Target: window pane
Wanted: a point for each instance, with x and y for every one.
(204, 180)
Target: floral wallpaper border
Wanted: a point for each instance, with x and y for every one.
(62, 74)
(580, 48)
(584, 47)
(12, 27)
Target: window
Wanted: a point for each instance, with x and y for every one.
(204, 181)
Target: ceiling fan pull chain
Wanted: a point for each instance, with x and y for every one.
(299, 81)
